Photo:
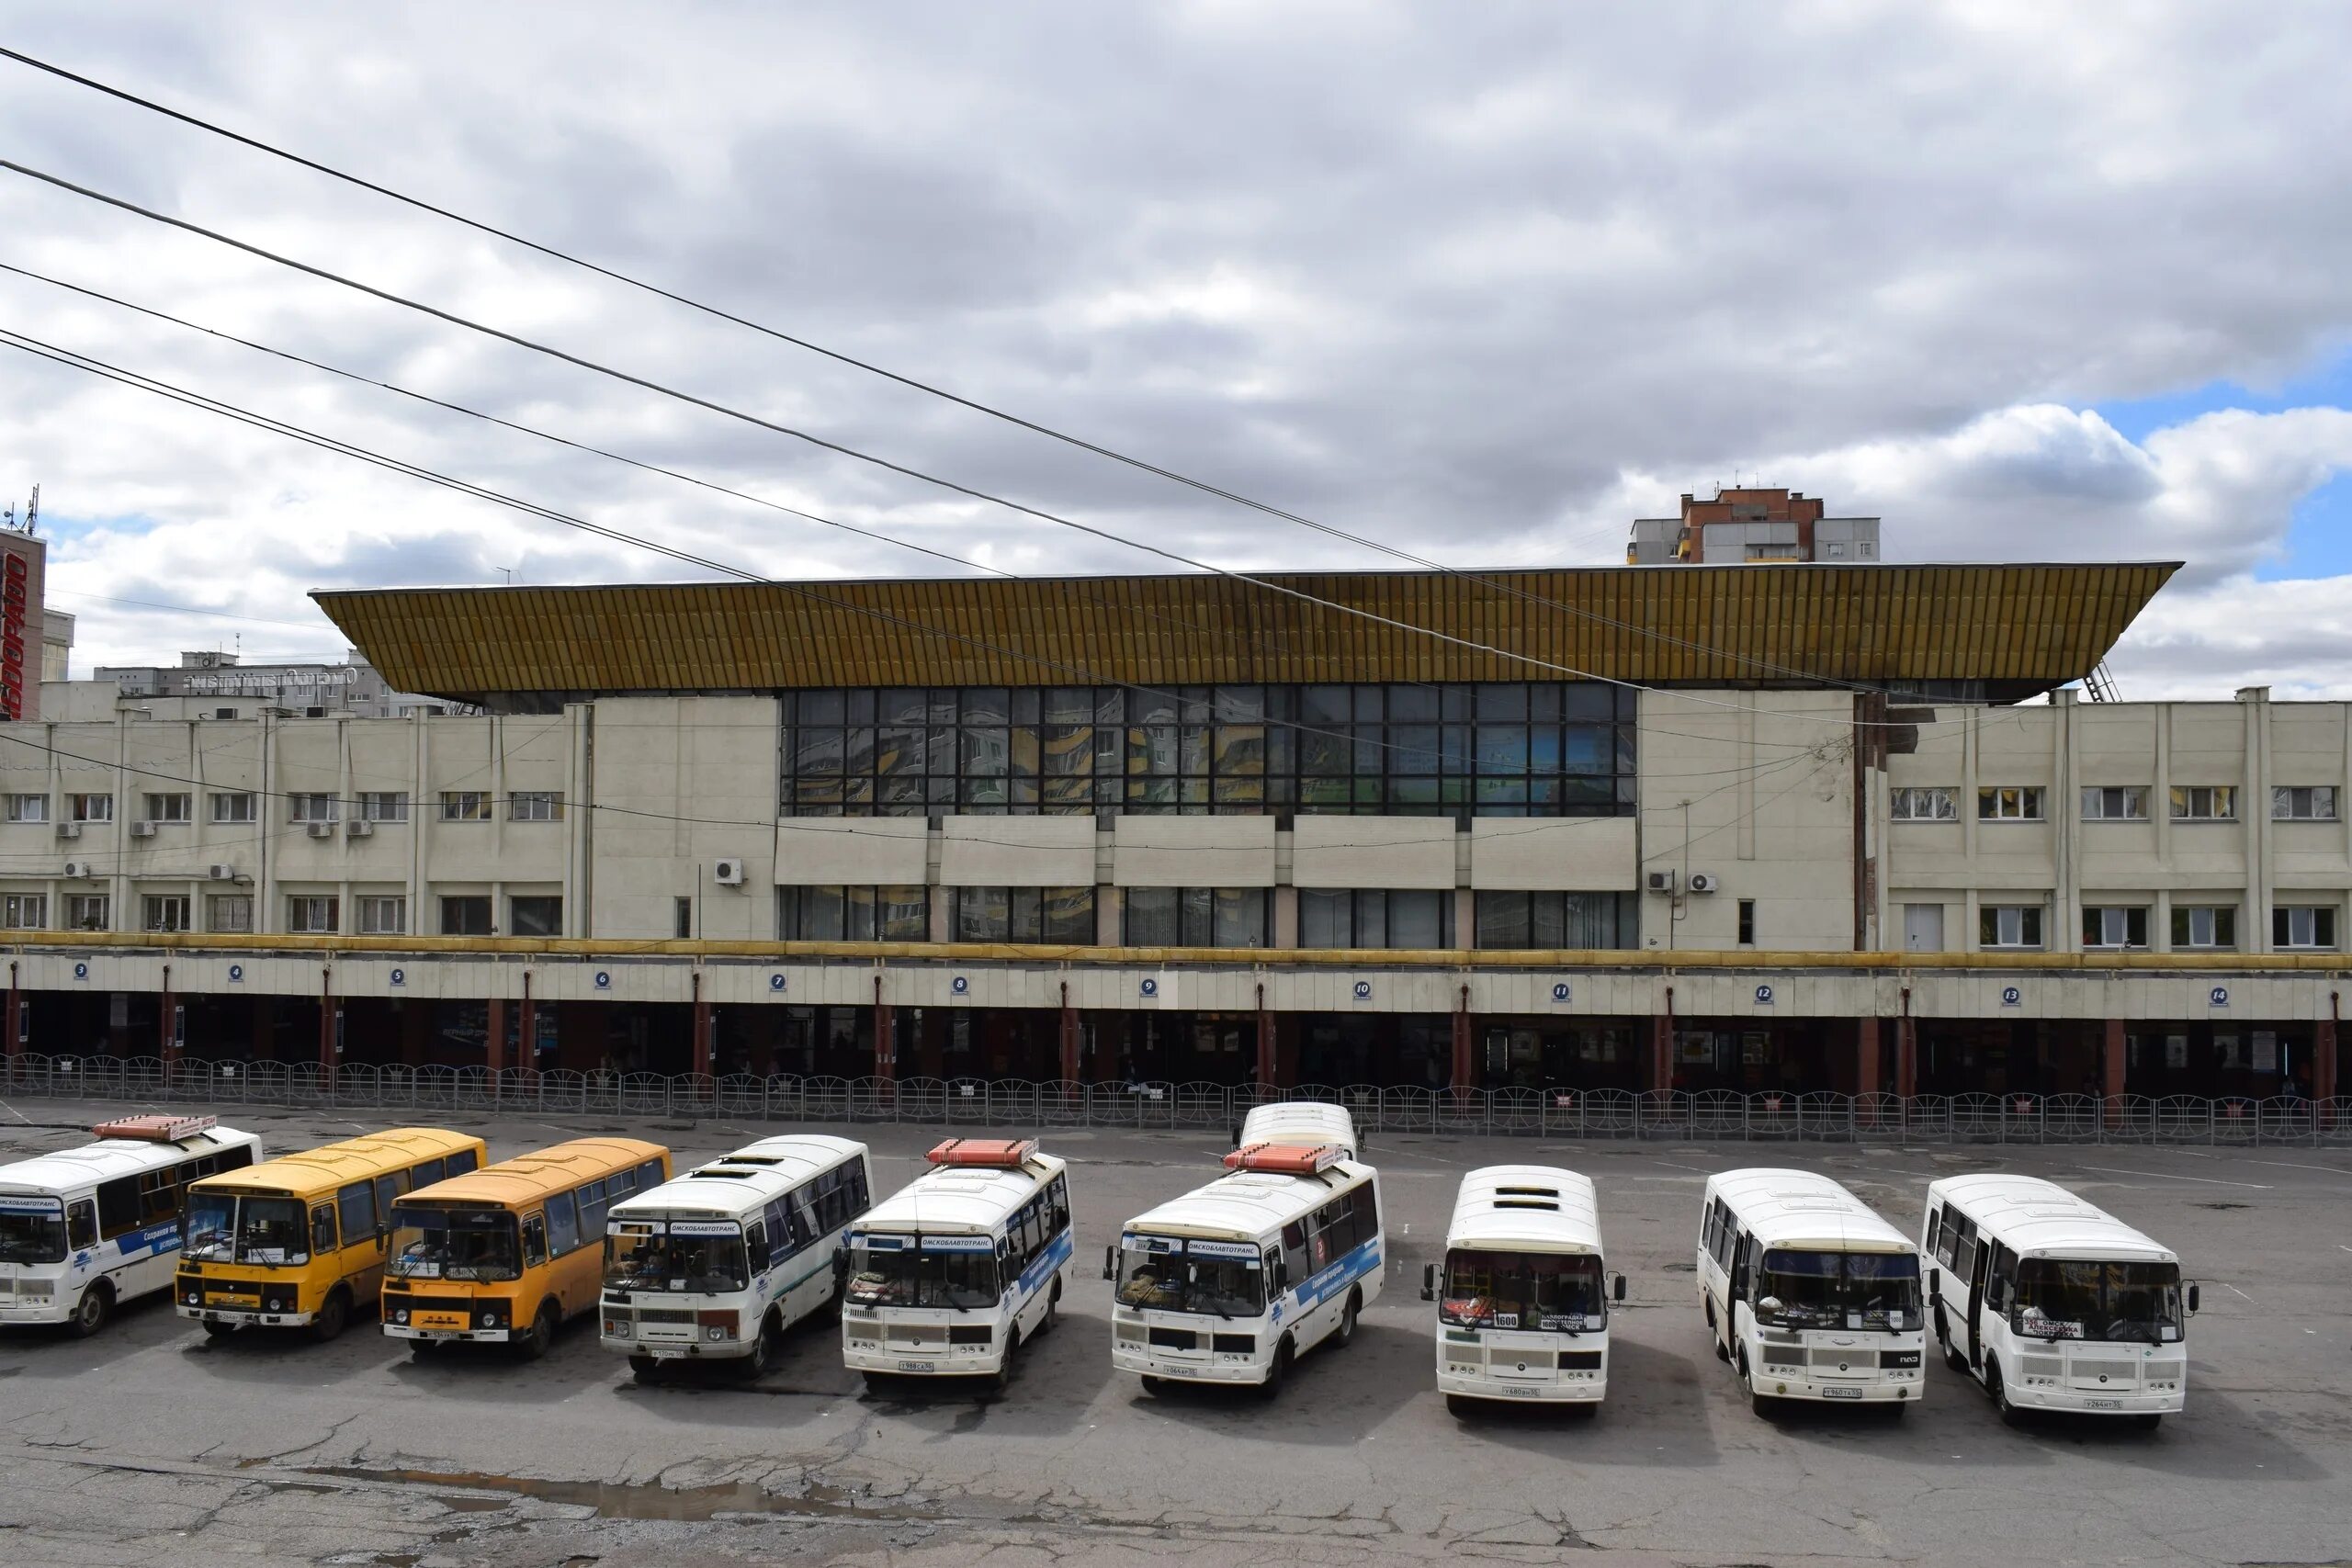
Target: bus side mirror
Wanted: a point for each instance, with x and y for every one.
(1617, 1289)
(383, 1235)
(1934, 1282)
(1428, 1281)
(1110, 1263)
(2192, 1297)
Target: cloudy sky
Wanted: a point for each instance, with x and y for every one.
(1483, 283)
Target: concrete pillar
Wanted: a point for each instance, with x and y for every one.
(1465, 1073)
(1069, 1037)
(1906, 1057)
(14, 1045)
(2323, 1055)
(1661, 1074)
(167, 1038)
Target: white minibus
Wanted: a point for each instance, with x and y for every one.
(1309, 1123)
(953, 1273)
(1522, 1303)
(84, 1230)
(717, 1263)
(1233, 1283)
(2052, 1303)
(1809, 1293)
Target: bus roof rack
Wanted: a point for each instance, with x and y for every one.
(1285, 1159)
(993, 1153)
(155, 1129)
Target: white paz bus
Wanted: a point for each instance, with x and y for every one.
(1233, 1283)
(2051, 1304)
(1522, 1302)
(1311, 1124)
(716, 1264)
(953, 1273)
(84, 1230)
(1808, 1292)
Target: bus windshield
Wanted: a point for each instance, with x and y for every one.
(220, 1227)
(2062, 1300)
(905, 1277)
(1168, 1274)
(1838, 1290)
(452, 1244)
(647, 1260)
(1523, 1290)
(31, 1236)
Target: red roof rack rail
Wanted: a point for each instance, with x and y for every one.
(1285, 1159)
(991, 1154)
(155, 1129)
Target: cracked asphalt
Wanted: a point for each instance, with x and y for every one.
(150, 1442)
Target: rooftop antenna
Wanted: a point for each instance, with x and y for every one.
(508, 572)
(32, 512)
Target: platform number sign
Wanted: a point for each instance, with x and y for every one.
(80, 971)
(603, 979)
(1364, 990)
(236, 972)
(1560, 991)
(961, 986)
(775, 984)
(1148, 988)
(399, 976)
(1763, 996)
(2220, 997)
(2011, 996)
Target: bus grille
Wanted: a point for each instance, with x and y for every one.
(1175, 1338)
(2113, 1371)
(1851, 1360)
(437, 1304)
(2043, 1366)
(1580, 1361)
(665, 1314)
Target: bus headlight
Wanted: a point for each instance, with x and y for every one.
(490, 1320)
(273, 1304)
(194, 1298)
(401, 1317)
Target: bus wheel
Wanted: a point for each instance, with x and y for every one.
(1723, 1352)
(1345, 1334)
(90, 1313)
(1053, 1310)
(750, 1366)
(423, 1350)
(1279, 1373)
(1003, 1377)
(2150, 1421)
(534, 1344)
(1762, 1404)
(644, 1369)
(1998, 1386)
(1151, 1384)
(218, 1330)
(1459, 1406)
(329, 1321)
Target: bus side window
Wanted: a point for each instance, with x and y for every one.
(593, 1202)
(1707, 1230)
(459, 1163)
(535, 1240)
(81, 1224)
(1964, 1253)
(861, 1191)
(389, 1188)
(2005, 1277)
(322, 1230)
(1277, 1269)
(755, 1243)
(1365, 1202)
(1061, 1205)
(158, 1197)
(119, 1208)
(237, 1158)
(358, 1203)
(1935, 1224)
(1743, 1252)
(1295, 1253)
(651, 1174)
(425, 1173)
(563, 1223)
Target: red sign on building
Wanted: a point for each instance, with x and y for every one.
(14, 588)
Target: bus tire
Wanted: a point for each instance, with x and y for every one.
(1761, 1402)
(533, 1344)
(750, 1366)
(423, 1350)
(644, 1369)
(1723, 1348)
(1151, 1385)
(1460, 1406)
(218, 1330)
(1344, 1335)
(2148, 1421)
(333, 1314)
(1053, 1310)
(1278, 1373)
(877, 1385)
(90, 1313)
(1003, 1377)
(1999, 1389)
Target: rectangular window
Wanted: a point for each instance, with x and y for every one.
(563, 1223)
(2204, 802)
(847, 914)
(164, 912)
(232, 806)
(2009, 802)
(383, 806)
(24, 911)
(466, 915)
(2009, 925)
(1198, 917)
(28, 808)
(2302, 927)
(167, 808)
(683, 920)
(90, 807)
(312, 915)
(464, 806)
(1406, 918)
(1059, 915)
(1546, 919)
(1912, 804)
(535, 806)
(2289, 803)
(383, 915)
(1747, 922)
(314, 807)
(86, 912)
(535, 915)
(2115, 926)
(2110, 803)
(2204, 925)
(229, 913)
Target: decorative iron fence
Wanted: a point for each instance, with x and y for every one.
(1710, 1115)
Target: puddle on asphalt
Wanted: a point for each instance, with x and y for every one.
(613, 1500)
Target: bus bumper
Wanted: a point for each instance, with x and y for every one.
(1886, 1392)
(1586, 1389)
(961, 1361)
(680, 1349)
(37, 1310)
(245, 1317)
(2075, 1402)
(448, 1336)
(1176, 1370)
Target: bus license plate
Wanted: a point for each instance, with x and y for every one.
(1841, 1394)
(440, 1320)
(2102, 1405)
(246, 1301)
(917, 1366)
(1512, 1392)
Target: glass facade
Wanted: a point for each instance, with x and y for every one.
(853, 914)
(1061, 914)
(1371, 916)
(1199, 916)
(1557, 919)
(1500, 749)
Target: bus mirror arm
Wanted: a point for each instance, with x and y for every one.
(1428, 1281)
(2192, 1297)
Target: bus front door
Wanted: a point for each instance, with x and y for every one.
(1983, 1261)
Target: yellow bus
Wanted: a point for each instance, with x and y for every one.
(298, 1240)
(507, 1253)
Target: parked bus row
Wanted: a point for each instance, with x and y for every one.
(1807, 1292)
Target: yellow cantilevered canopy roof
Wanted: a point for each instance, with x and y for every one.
(2014, 630)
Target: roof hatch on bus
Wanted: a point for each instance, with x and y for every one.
(991, 1154)
(1285, 1159)
(155, 1129)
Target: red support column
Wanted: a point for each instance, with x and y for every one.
(2322, 1051)
(16, 1041)
(886, 1054)
(1464, 1070)
(1906, 1057)
(1267, 1072)
(526, 1050)
(1662, 1047)
(326, 1019)
(701, 1029)
(2112, 1064)
(167, 1039)
(1069, 1037)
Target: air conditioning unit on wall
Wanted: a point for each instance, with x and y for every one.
(1661, 882)
(727, 873)
(1705, 882)
(77, 871)
(223, 873)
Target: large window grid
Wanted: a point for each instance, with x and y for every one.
(1495, 750)
(1417, 917)
(1198, 917)
(1509, 919)
(852, 914)
(1059, 915)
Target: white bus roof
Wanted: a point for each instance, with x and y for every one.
(1249, 1205)
(961, 1200)
(737, 1183)
(70, 1170)
(1305, 1121)
(2040, 1219)
(1801, 1209)
(1527, 1208)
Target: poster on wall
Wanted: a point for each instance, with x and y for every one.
(1696, 1048)
(2266, 1050)
(2226, 1051)
(1755, 1049)
(2176, 1051)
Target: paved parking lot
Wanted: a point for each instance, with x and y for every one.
(150, 1442)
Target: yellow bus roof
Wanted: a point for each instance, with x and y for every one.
(330, 1166)
(520, 1182)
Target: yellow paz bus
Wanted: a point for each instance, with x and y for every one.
(508, 1252)
(299, 1241)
